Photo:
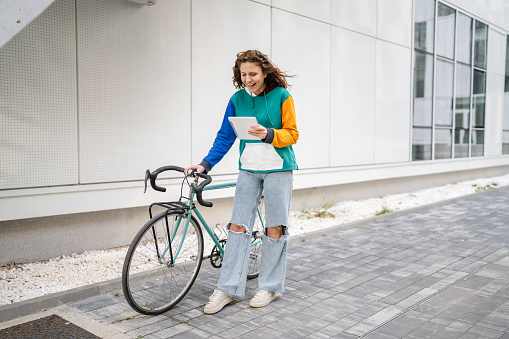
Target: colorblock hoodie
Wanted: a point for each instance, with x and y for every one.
(274, 109)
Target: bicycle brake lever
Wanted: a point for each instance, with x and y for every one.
(147, 176)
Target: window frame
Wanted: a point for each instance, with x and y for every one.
(453, 128)
(505, 114)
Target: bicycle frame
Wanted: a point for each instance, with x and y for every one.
(191, 209)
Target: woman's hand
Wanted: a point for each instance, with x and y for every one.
(198, 168)
(258, 131)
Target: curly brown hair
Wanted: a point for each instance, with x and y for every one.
(275, 77)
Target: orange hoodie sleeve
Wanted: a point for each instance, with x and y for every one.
(288, 134)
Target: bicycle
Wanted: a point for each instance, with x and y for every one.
(165, 256)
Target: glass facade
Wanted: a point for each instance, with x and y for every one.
(446, 25)
(464, 49)
(505, 132)
(462, 111)
(424, 43)
(480, 44)
(449, 83)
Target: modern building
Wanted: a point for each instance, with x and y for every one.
(390, 95)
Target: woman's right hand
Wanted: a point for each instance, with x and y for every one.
(198, 168)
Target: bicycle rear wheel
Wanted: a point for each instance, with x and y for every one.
(255, 256)
(157, 273)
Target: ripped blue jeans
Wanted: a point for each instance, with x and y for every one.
(277, 191)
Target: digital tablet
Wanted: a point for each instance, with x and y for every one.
(243, 124)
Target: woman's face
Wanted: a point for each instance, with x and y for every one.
(252, 76)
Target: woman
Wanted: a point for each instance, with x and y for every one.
(266, 166)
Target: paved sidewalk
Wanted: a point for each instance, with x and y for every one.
(442, 272)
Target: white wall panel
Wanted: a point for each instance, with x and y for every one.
(490, 10)
(505, 18)
(392, 105)
(463, 5)
(316, 9)
(494, 114)
(359, 15)
(265, 2)
(301, 46)
(352, 98)
(134, 87)
(496, 52)
(394, 21)
(38, 133)
(221, 29)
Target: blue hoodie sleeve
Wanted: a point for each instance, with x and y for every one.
(224, 140)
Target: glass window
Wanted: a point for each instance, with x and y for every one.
(507, 60)
(446, 24)
(423, 89)
(449, 99)
(506, 111)
(462, 114)
(461, 143)
(505, 142)
(464, 48)
(480, 45)
(477, 143)
(424, 25)
(444, 93)
(421, 144)
(443, 138)
(505, 133)
(479, 96)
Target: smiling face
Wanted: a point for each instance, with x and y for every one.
(252, 77)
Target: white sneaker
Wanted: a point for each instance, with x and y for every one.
(217, 301)
(262, 298)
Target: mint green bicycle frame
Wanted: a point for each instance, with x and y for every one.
(203, 222)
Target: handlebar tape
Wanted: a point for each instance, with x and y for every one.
(198, 189)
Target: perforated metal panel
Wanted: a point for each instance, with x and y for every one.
(134, 88)
(316, 9)
(221, 29)
(38, 133)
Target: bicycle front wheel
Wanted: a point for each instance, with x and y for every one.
(162, 263)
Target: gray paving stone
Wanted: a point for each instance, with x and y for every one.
(167, 332)
(495, 321)
(264, 332)
(406, 323)
(344, 282)
(481, 332)
(470, 318)
(193, 334)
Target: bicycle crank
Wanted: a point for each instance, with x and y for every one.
(215, 256)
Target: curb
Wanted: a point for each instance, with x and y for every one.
(38, 304)
(46, 302)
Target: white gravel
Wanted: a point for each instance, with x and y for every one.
(25, 281)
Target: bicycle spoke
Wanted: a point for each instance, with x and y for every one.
(152, 282)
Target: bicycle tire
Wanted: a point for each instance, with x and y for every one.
(152, 286)
(255, 256)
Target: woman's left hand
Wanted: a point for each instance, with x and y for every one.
(258, 131)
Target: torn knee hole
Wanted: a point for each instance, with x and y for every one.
(238, 229)
(282, 229)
